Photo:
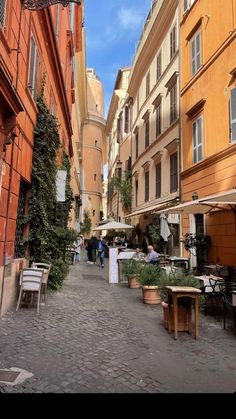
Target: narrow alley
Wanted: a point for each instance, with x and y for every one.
(93, 337)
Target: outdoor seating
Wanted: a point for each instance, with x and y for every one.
(229, 300)
(46, 270)
(30, 282)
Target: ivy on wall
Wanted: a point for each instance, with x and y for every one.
(50, 238)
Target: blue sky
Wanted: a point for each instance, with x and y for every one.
(113, 28)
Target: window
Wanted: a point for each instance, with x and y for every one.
(136, 193)
(146, 198)
(138, 103)
(95, 177)
(158, 180)
(233, 115)
(127, 119)
(136, 144)
(173, 104)
(185, 5)
(198, 140)
(159, 69)
(128, 164)
(33, 69)
(147, 84)
(120, 127)
(173, 42)
(58, 14)
(158, 120)
(146, 133)
(174, 172)
(196, 56)
(3, 12)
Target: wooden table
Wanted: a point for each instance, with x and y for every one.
(175, 292)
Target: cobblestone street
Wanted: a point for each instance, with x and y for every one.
(100, 338)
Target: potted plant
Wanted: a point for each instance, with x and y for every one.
(149, 278)
(177, 278)
(130, 269)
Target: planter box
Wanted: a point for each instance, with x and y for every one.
(183, 318)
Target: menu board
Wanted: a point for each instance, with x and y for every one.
(113, 266)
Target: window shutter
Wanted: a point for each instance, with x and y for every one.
(127, 119)
(136, 193)
(158, 120)
(147, 186)
(146, 133)
(158, 180)
(174, 172)
(136, 144)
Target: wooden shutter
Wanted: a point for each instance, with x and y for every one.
(147, 186)
(174, 172)
(158, 180)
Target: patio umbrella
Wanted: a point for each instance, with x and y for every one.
(164, 228)
(164, 231)
(113, 225)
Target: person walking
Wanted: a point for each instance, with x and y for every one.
(78, 245)
(101, 250)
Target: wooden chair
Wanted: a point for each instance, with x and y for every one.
(46, 268)
(30, 282)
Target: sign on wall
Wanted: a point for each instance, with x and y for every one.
(61, 185)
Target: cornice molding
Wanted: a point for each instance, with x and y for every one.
(209, 161)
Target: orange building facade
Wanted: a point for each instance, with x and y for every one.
(92, 150)
(32, 44)
(208, 109)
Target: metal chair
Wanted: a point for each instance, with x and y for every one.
(46, 268)
(229, 300)
(30, 281)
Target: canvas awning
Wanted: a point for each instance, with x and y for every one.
(223, 200)
(150, 209)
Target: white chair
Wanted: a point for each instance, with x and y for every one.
(30, 281)
(46, 268)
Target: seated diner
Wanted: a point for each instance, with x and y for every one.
(152, 256)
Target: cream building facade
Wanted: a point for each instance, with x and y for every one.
(118, 133)
(154, 88)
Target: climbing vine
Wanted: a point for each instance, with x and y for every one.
(50, 238)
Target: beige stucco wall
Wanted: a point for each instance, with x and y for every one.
(159, 27)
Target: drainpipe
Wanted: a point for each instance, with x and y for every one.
(180, 128)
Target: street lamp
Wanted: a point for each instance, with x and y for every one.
(194, 196)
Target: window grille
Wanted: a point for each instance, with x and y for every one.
(3, 4)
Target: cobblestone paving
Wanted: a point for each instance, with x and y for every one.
(93, 337)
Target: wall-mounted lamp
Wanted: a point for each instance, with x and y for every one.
(119, 164)
(194, 196)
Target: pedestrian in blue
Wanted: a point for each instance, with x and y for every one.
(101, 250)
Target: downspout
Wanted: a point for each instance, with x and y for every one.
(180, 129)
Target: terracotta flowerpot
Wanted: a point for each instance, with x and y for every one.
(151, 295)
(183, 317)
(132, 281)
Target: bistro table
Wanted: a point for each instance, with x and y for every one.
(179, 261)
(175, 292)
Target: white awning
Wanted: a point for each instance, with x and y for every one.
(205, 205)
(161, 205)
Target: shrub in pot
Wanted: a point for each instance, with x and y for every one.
(149, 278)
(130, 268)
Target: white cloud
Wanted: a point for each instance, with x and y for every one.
(130, 18)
